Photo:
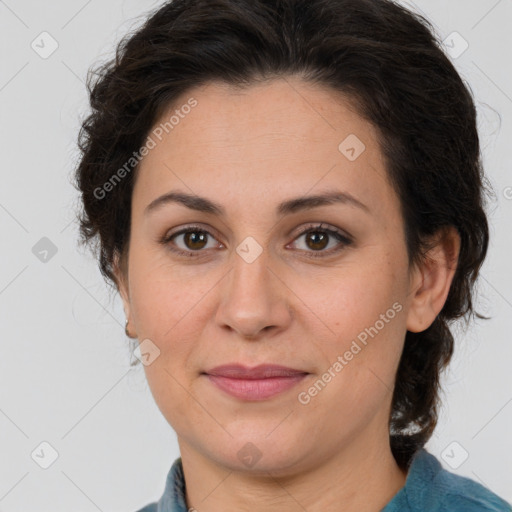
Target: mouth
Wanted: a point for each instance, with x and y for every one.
(254, 384)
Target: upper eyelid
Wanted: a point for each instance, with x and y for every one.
(192, 227)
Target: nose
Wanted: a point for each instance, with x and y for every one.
(254, 300)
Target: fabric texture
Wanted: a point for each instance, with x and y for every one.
(428, 488)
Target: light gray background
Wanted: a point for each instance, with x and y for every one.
(64, 374)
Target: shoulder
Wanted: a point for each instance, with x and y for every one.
(430, 487)
(152, 507)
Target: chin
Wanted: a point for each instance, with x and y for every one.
(261, 454)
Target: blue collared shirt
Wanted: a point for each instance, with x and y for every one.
(428, 488)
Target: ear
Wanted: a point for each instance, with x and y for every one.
(121, 277)
(431, 281)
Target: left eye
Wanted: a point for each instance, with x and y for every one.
(318, 239)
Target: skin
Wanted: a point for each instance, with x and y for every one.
(249, 151)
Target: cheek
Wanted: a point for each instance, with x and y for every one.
(168, 389)
(170, 307)
(358, 380)
(164, 294)
(351, 300)
(166, 313)
(365, 316)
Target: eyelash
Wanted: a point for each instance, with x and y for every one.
(338, 235)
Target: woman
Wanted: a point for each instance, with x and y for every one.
(288, 195)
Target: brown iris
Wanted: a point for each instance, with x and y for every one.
(318, 240)
(192, 238)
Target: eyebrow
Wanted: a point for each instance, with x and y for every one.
(202, 204)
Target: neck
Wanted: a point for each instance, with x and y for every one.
(364, 477)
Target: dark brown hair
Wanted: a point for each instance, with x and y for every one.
(386, 59)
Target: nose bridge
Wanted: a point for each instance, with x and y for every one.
(251, 299)
(249, 280)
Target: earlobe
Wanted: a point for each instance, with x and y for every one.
(432, 280)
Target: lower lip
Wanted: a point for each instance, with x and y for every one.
(255, 389)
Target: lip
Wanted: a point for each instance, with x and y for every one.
(257, 383)
(262, 371)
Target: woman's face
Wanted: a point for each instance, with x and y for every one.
(250, 288)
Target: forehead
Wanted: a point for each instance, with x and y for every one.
(284, 137)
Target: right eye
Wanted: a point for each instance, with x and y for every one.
(189, 241)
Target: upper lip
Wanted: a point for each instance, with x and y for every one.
(262, 371)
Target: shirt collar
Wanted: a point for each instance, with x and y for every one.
(173, 498)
